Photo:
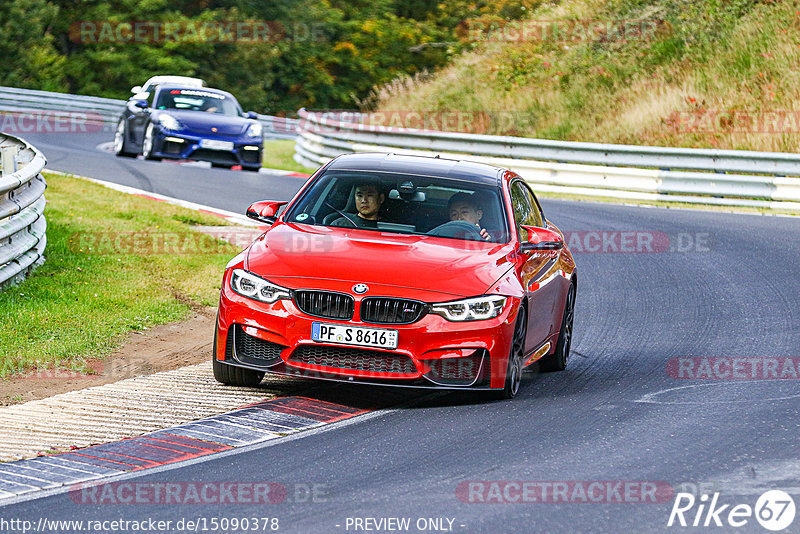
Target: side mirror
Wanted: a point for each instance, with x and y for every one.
(265, 210)
(541, 239)
(136, 89)
(141, 104)
(251, 115)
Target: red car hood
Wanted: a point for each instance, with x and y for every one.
(421, 267)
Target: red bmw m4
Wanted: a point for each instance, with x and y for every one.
(400, 270)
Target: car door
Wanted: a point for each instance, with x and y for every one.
(537, 267)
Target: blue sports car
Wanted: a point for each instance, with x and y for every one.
(182, 122)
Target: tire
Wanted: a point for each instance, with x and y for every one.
(147, 143)
(515, 358)
(558, 360)
(121, 147)
(231, 375)
(251, 169)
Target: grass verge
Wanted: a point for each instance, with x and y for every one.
(278, 154)
(701, 73)
(116, 263)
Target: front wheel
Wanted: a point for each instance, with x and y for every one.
(236, 376)
(516, 356)
(121, 147)
(147, 144)
(558, 360)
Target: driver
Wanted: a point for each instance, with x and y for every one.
(209, 106)
(369, 199)
(462, 207)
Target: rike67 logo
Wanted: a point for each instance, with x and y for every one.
(774, 510)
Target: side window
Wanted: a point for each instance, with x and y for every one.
(536, 209)
(523, 210)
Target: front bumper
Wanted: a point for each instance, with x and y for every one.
(179, 145)
(431, 352)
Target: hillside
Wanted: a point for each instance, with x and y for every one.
(274, 56)
(678, 73)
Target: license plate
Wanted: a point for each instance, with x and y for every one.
(354, 335)
(215, 144)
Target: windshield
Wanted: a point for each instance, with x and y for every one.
(406, 204)
(197, 100)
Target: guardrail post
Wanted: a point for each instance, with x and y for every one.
(8, 159)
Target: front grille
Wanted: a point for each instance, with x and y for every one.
(325, 304)
(250, 349)
(385, 310)
(352, 359)
(214, 156)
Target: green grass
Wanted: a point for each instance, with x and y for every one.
(98, 283)
(279, 154)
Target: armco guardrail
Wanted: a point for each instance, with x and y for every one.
(105, 112)
(595, 169)
(22, 224)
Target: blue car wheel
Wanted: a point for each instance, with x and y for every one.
(147, 144)
(121, 147)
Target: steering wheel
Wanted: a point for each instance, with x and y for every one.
(462, 229)
(328, 219)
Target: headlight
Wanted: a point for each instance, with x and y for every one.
(169, 122)
(255, 130)
(254, 287)
(474, 309)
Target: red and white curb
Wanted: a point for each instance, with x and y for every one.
(256, 423)
(126, 408)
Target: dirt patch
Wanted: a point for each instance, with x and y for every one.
(161, 348)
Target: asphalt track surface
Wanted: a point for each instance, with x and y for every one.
(614, 415)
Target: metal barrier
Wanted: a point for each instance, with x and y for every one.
(104, 112)
(594, 169)
(22, 224)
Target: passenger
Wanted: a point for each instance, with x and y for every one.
(368, 199)
(463, 207)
